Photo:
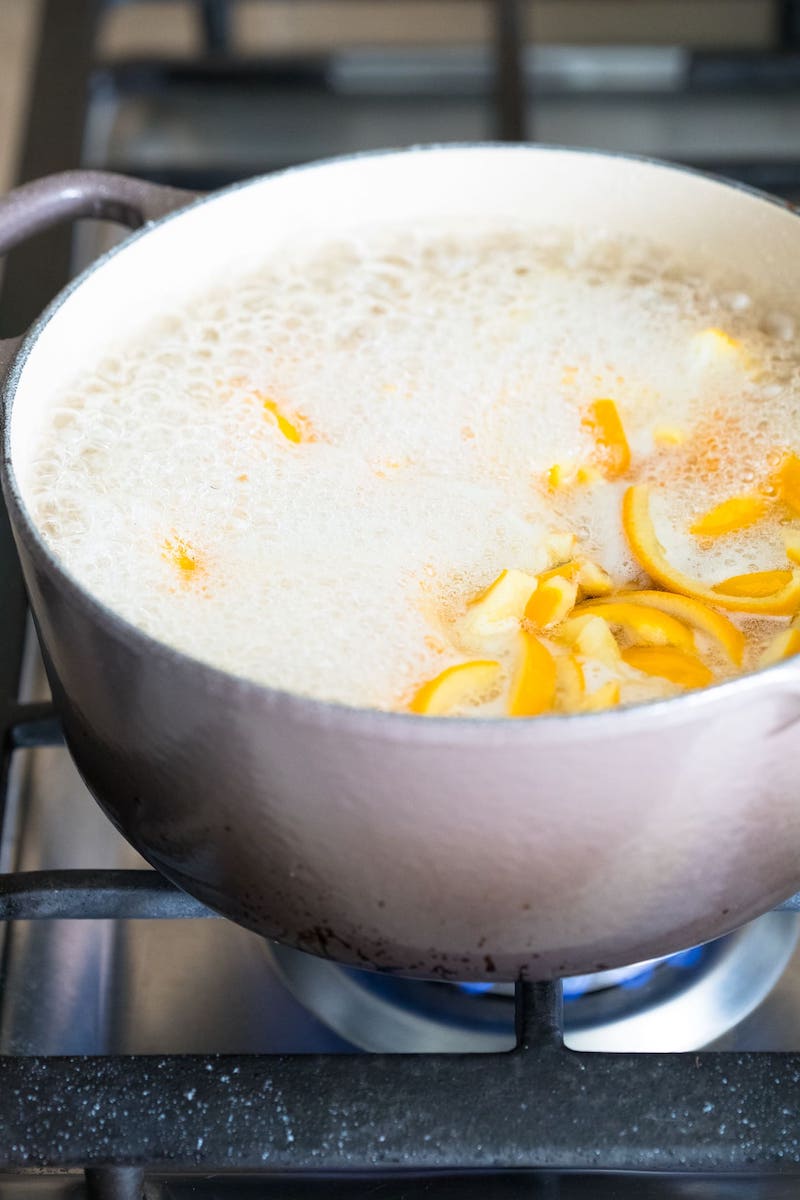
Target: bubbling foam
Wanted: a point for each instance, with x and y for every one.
(301, 476)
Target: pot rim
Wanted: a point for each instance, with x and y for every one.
(391, 724)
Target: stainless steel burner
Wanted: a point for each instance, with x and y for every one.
(680, 1003)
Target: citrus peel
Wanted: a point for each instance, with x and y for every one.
(457, 687)
(501, 605)
(755, 583)
(648, 625)
(640, 532)
(551, 602)
(670, 663)
(784, 645)
(730, 516)
(533, 686)
(613, 451)
(697, 615)
(788, 482)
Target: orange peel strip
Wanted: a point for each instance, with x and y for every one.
(592, 579)
(533, 687)
(606, 696)
(756, 583)
(501, 605)
(614, 452)
(784, 645)
(590, 636)
(456, 687)
(649, 553)
(567, 570)
(731, 515)
(697, 615)
(648, 625)
(669, 663)
(552, 601)
(570, 683)
(290, 431)
(788, 481)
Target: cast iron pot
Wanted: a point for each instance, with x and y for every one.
(431, 846)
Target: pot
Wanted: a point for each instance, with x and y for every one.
(448, 848)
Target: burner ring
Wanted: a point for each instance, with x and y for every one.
(679, 1007)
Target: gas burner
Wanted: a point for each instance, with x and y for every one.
(682, 1002)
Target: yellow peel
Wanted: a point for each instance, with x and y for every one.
(290, 431)
(590, 636)
(784, 645)
(714, 346)
(603, 419)
(669, 663)
(559, 546)
(792, 542)
(606, 696)
(788, 480)
(570, 683)
(731, 515)
(501, 605)
(593, 580)
(668, 435)
(457, 687)
(533, 686)
(697, 615)
(649, 553)
(552, 601)
(648, 625)
(756, 583)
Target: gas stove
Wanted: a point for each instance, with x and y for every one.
(163, 1051)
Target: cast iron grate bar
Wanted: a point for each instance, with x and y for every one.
(94, 895)
(542, 1107)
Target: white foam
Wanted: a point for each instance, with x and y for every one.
(442, 373)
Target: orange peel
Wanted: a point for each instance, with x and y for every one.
(755, 583)
(788, 482)
(533, 686)
(784, 645)
(714, 345)
(291, 431)
(668, 435)
(648, 625)
(640, 532)
(606, 696)
(590, 636)
(731, 515)
(668, 662)
(570, 682)
(603, 419)
(697, 615)
(552, 601)
(594, 580)
(457, 687)
(500, 606)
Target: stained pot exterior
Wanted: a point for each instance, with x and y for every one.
(448, 848)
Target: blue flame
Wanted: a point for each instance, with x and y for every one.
(578, 985)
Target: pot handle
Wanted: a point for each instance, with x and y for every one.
(34, 207)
